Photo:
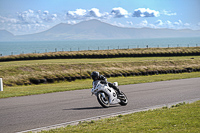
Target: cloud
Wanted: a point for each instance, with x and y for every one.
(186, 24)
(168, 13)
(31, 21)
(28, 17)
(20, 29)
(119, 12)
(94, 12)
(8, 20)
(178, 23)
(129, 23)
(159, 22)
(49, 17)
(118, 24)
(78, 14)
(28, 22)
(142, 12)
(162, 24)
(172, 25)
(82, 14)
(168, 22)
(32, 17)
(144, 23)
(46, 12)
(71, 22)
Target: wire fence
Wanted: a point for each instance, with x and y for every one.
(74, 48)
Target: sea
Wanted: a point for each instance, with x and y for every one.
(16, 48)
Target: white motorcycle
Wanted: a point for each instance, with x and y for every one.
(107, 95)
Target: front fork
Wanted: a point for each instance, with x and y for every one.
(103, 95)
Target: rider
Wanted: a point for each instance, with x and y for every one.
(96, 77)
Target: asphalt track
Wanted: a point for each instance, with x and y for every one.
(30, 112)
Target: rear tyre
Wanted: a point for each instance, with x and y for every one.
(123, 101)
(103, 101)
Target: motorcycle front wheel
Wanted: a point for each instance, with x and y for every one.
(124, 101)
(103, 99)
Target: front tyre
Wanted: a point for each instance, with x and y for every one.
(103, 99)
(124, 100)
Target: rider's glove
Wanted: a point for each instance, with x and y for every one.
(103, 82)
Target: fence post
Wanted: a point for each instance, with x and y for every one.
(1, 84)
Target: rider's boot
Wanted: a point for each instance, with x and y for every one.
(120, 95)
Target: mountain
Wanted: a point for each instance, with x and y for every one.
(5, 35)
(95, 29)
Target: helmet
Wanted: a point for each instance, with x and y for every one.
(95, 75)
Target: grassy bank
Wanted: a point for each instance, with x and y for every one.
(115, 53)
(87, 83)
(42, 71)
(179, 118)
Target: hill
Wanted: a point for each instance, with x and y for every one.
(95, 29)
(5, 35)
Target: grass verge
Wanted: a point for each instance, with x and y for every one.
(87, 83)
(138, 52)
(42, 71)
(179, 118)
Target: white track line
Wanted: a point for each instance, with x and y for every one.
(106, 116)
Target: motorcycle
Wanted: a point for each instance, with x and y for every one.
(107, 95)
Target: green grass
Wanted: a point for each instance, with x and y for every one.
(104, 53)
(181, 118)
(73, 61)
(20, 72)
(86, 84)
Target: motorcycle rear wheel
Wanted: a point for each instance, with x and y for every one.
(104, 102)
(123, 102)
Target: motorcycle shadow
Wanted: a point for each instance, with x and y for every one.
(91, 108)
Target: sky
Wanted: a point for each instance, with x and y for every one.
(32, 16)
